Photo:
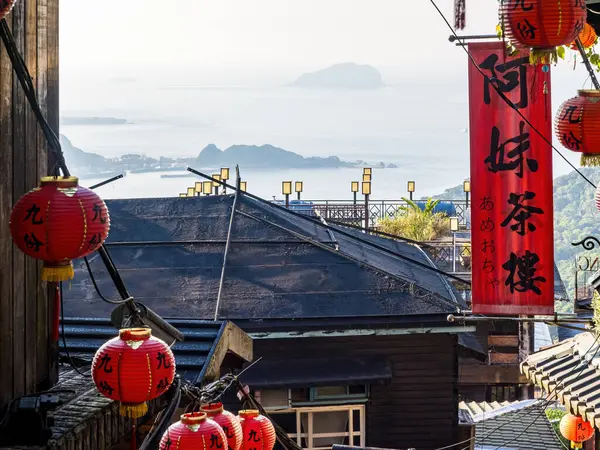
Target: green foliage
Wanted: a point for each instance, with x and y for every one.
(414, 222)
(596, 308)
(554, 415)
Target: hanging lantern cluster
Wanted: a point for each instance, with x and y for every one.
(587, 37)
(258, 431)
(212, 427)
(577, 126)
(5, 7)
(576, 430)
(133, 368)
(227, 421)
(542, 25)
(195, 431)
(57, 222)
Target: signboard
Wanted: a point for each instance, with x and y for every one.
(511, 183)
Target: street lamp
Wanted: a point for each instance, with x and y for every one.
(216, 184)
(197, 188)
(298, 188)
(410, 188)
(286, 189)
(243, 185)
(354, 189)
(191, 192)
(366, 190)
(207, 187)
(224, 177)
(453, 229)
(467, 189)
(366, 177)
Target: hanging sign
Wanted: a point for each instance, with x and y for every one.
(511, 183)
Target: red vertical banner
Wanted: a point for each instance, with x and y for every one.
(511, 182)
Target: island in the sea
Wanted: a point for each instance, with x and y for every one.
(342, 76)
(246, 156)
(93, 121)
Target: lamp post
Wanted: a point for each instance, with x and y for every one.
(197, 188)
(410, 188)
(243, 185)
(286, 189)
(354, 189)
(224, 177)
(216, 184)
(467, 189)
(453, 229)
(366, 190)
(298, 188)
(207, 187)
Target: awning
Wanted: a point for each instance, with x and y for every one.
(291, 373)
(571, 371)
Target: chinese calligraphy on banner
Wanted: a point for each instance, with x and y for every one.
(511, 179)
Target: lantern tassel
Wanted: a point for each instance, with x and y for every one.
(54, 274)
(576, 444)
(590, 160)
(543, 56)
(134, 411)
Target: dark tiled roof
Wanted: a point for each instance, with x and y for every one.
(170, 254)
(85, 335)
(522, 429)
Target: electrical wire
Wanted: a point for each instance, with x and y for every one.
(107, 300)
(506, 99)
(64, 340)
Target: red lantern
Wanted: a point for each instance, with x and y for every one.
(542, 25)
(587, 37)
(229, 422)
(5, 7)
(133, 368)
(576, 430)
(58, 222)
(577, 126)
(258, 431)
(193, 432)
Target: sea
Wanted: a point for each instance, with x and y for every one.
(419, 124)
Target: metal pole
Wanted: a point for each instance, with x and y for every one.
(216, 190)
(298, 195)
(354, 198)
(587, 64)
(454, 252)
(366, 212)
(410, 195)
(467, 201)
(287, 200)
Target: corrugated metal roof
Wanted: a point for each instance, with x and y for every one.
(85, 335)
(170, 253)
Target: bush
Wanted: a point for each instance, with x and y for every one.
(416, 225)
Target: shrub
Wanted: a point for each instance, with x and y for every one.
(416, 224)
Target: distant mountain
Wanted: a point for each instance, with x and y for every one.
(263, 157)
(342, 76)
(92, 121)
(78, 159)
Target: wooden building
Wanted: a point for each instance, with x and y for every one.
(350, 329)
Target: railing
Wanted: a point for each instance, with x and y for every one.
(354, 213)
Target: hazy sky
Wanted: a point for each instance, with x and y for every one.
(263, 33)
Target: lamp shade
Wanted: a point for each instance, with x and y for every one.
(133, 368)
(542, 25)
(198, 187)
(286, 187)
(224, 173)
(453, 223)
(368, 171)
(229, 422)
(366, 188)
(258, 431)
(354, 186)
(577, 126)
(191, 192)
(207, 187)
(182, 195)
(575, 429)
(243, 186)
(57, 222)
(217, 178)
(467, 186)
(298, 186)
(194, 431)
(410, 186)
(366, 177)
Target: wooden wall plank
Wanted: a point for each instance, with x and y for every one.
(19, 188)
(6, 246)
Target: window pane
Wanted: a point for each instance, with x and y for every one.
(330, 391)
(274, 398)
(300, 395)
(356, 389)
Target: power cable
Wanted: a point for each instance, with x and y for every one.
(506, 99)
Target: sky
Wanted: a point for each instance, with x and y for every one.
(306, 34)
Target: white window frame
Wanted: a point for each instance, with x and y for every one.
(351, 434)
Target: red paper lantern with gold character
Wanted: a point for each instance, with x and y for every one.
(229, 422)
(542, 25)
(195, 431)
(133, 368)
(577, 126)
(576, 430)
(587, 37)
(57, 222)
(5, 7)
(258, 431)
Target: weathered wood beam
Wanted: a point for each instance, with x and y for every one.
(233, 340)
